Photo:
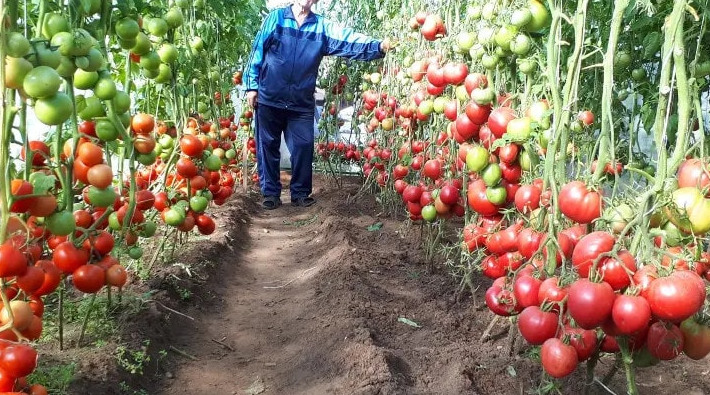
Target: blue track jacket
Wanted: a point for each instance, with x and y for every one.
(284, 60)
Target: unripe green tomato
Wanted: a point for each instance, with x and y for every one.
(61, 223)
(429, 213)
(135, 252)
(174, 217)
(113, 223)
(148, 229)
(492, 174)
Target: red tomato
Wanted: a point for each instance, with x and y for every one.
(558, 359)
(694, 173)
(501, 300)
(190, 145)
(664, 341)
(617, 271)
(590, 303)
(537, 326)
(508, 153)
(584, 341)
(478, 201)
(18, 360)
(676, 297)
(526, 289)
(551, 292)
(432, 169)
(528, 242)
(588, 250)
(12, 261)
(527, 198)
(89, 278)
(498, 120)
(578, 203)
(631, 314)
(40, 152)
(478, 114)
(68, 258)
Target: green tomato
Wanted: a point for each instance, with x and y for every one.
(102, 197)
(113, 221)
(690, 210)
(521, 17)
(90, 108)
(135, 252)
(61, 223)
(105, 88)
(127, 28)
(213, 163)
(121, 102)
(148, 229)
(477, 158)
(147, 159)
(105, 130)
(168, 53)
(429, 213)
(174, 18)
(53, 24)
(496, 195)
(426, 107)
(157, 27)
(492, 174)
(41, 82)
(199, 204)
(150, 61)
(143, 45)
(54, 110)
(527, 66)
(16, 44)
(85, 79)
(174, 217)
(519, 129)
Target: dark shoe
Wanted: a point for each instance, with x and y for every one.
(306, 201)
(271, 202)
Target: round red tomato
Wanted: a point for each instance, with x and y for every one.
(664, 341)
(588, 249)
(89, 278)
(590, 303)
(558, 359)
(526, 289)
(578, 203)
(676, 297)
(537, 326)
(630, 314)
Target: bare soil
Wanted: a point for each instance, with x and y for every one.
(319, 301)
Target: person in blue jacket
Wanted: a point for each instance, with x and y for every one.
(280, 81)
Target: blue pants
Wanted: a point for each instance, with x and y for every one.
(297, 128)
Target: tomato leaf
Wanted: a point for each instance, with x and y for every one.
(408, 322)
(42, 183)
(375, 227)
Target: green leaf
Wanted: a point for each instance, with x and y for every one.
(42, 183)
(408, 322)
(375, 227)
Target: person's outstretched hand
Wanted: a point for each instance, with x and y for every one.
(251, 98)
(387, 45)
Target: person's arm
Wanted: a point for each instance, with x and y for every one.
(346, 42)
(256, 58)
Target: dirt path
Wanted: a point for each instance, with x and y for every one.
(316, 301)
